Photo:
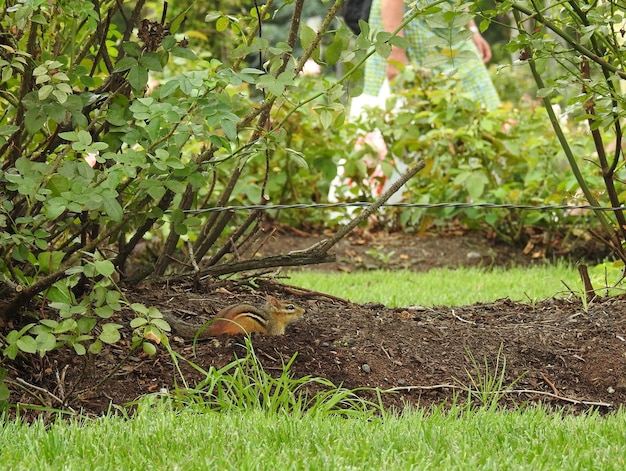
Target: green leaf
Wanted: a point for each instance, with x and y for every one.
(383, 36)
(169, 41)
(69, 136)
(65, 326)
(230, 129)
(98, 295)
(125, 64)
(85, 324)
(62, 77)
(104, 267)
(475, 185)
(383, 49)
(132, 49)
(27, 344)
(307, 35)
(95, 347)
(432, 61)
(11, 351)
(45, 325)
(544, 92)
(50, 261)
(326, 118)
(271, 84)
(45, 342)
(542, 63)
(175, 186)
(181, 229)
(8, 130)
(79, 348)
(97, 147)
(138, 322)
(161, 324)
(39, 18)
(113, 299)
(105, 312)
(14, 334)
(140, 308)
(34, 120)
(7, 73)
(156, 192)
(149, 348)
(45, 91)
(168, 88)
(40, 70)
(298, 158)
(83, 137)
(399, 41)
(59, 293)
(184, 53)
(151, 61)
(154, 313)
(248, 74)
(116, 115)
(60, 95)
(54, 207)
(110, 333)
(113, 209)
(334, 50)
(138, 77)
(221, 24)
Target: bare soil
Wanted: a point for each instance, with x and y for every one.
(560, 352)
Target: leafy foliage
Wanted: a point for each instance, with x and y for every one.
(577, 52)
(508, 156)
(115, 132)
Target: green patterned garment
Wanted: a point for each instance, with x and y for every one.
(425, 41)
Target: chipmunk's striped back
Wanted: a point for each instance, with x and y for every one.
(246, 319)
(240, 319)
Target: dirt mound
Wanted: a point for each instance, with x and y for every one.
(557, 351)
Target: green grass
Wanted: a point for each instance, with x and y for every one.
(443, 286)
(187, 440)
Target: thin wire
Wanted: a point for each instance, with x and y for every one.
(363, 204)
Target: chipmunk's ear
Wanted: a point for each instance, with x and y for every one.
(272, 300)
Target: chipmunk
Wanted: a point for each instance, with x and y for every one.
(242, 319)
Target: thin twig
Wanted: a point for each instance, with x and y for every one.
(461, 319)
(290, 260)
(508, 391)
(37, 388)
(59, 382)
(551, 384)
(382, 347)
(297, 291)
(192, 257)
(325, 245)
(590, 293)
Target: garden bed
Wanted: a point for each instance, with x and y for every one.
(559, 352)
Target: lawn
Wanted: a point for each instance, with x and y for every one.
(189, 439)
(398, 288)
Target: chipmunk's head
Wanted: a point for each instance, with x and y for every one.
(288, 311)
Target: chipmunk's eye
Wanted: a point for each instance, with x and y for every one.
(291, 307)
